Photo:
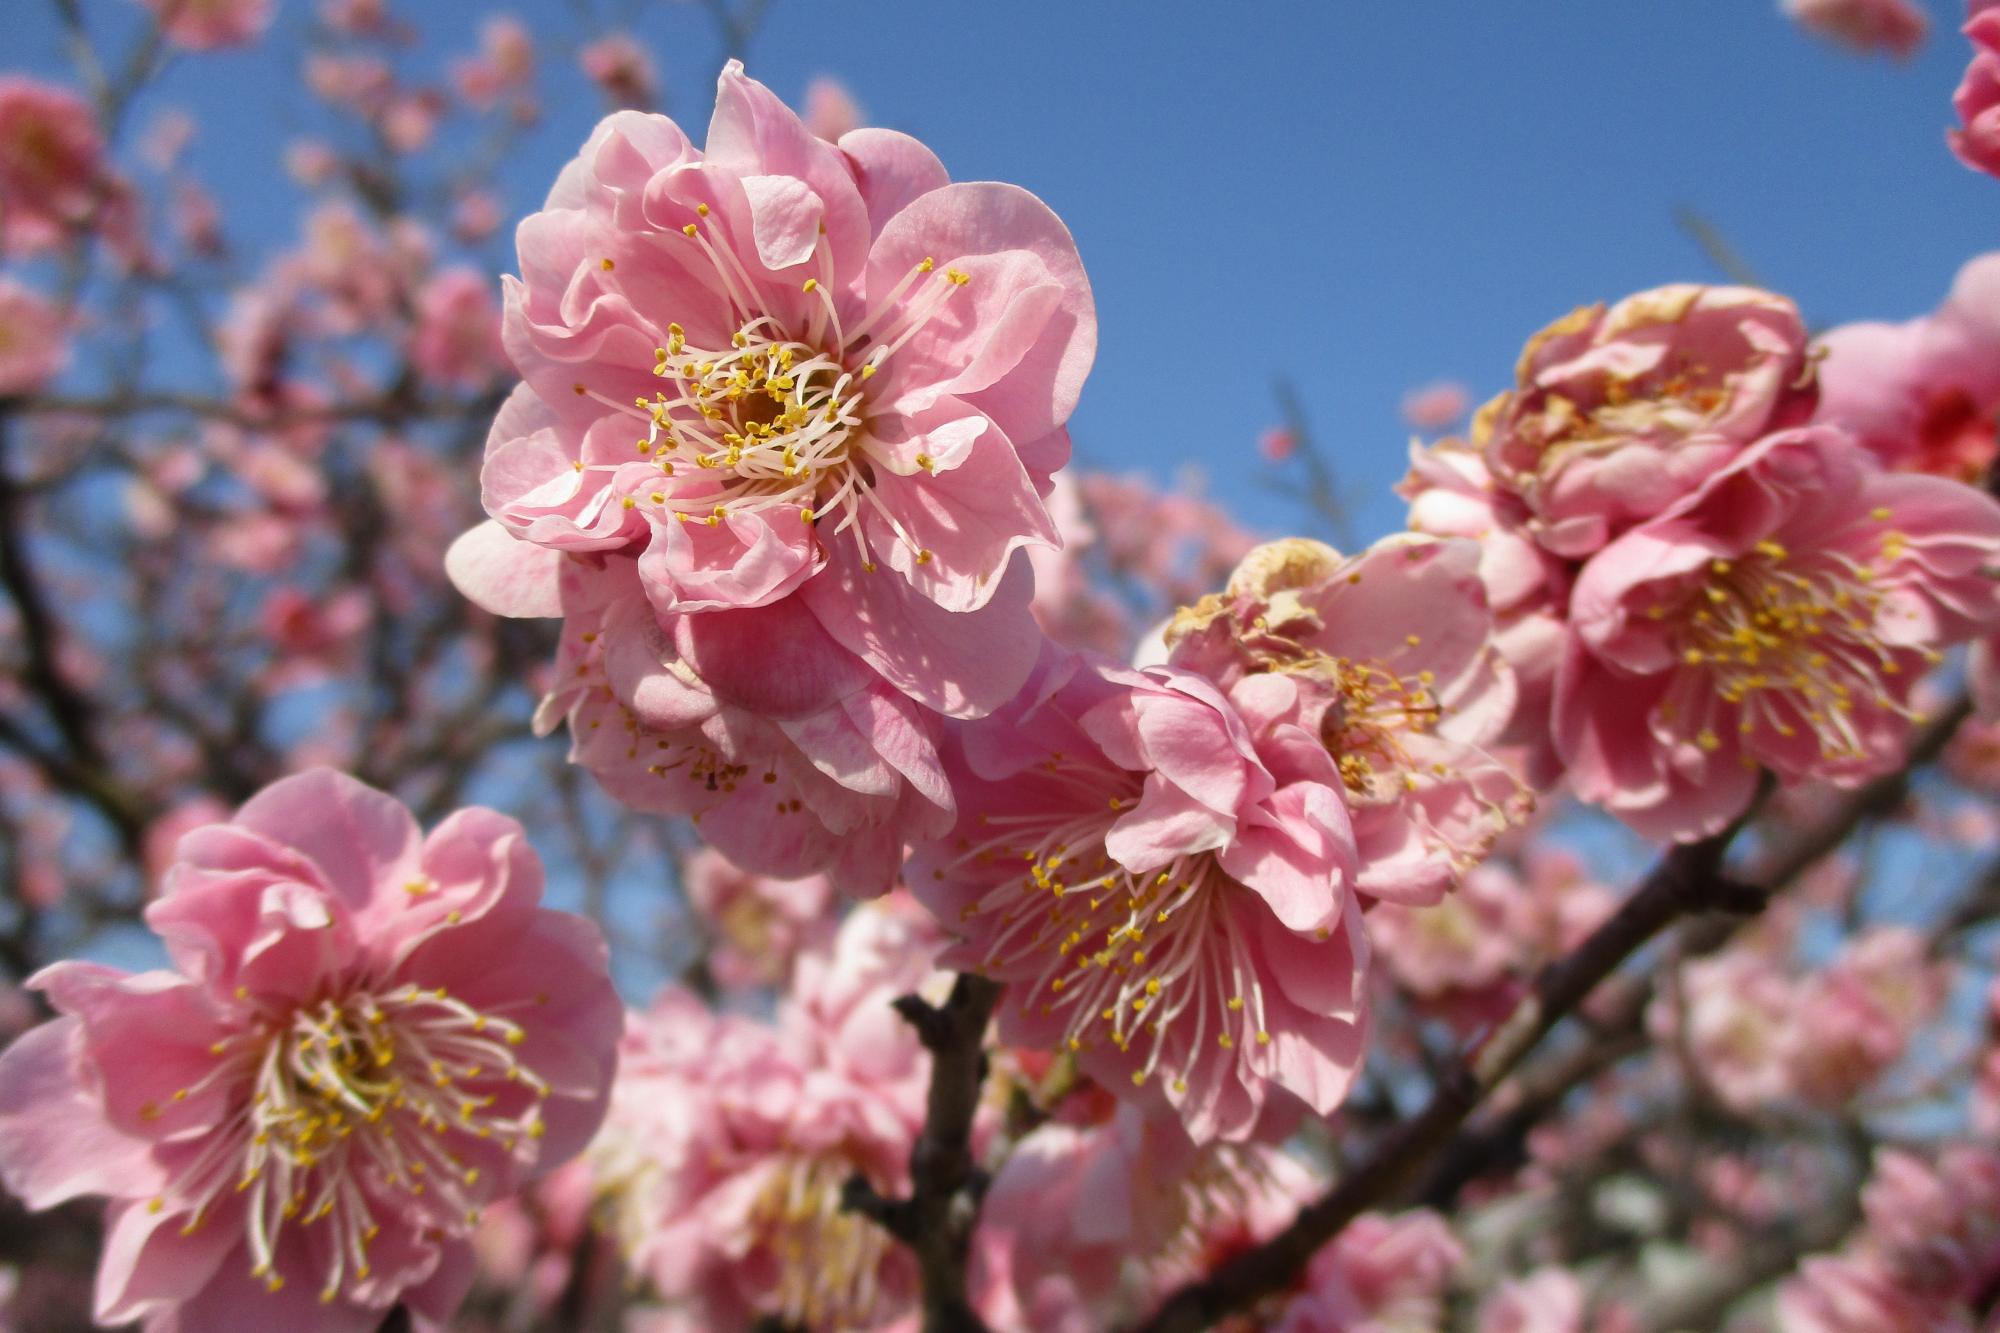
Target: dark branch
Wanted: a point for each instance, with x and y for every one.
(946, 1183)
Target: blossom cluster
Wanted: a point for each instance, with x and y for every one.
(1246, 843)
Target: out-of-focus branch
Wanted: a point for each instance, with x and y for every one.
(1716, 246)
(1322, 489)
(936, 1221)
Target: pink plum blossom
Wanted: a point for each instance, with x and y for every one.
(368, 1034)
(1777, 617)
(830, 110)
(789, 373)
(1866, 26)
(1547, 1300)
(33, 350)
(1169, 895)
(208, 25)
(1277, 444)
(1381, 1274)
(1435, 407)
(1617, 413)
(1453, 494)
(1855, 1018)
(1977, 142)
(1387, 657)
(52, 170)
(761, 924)
(621, 68)
(729, 1141)
(1921, 395)
(1731, 1014)
(457, 336)
(792, 755)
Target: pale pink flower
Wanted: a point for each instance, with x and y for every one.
(505, 62)
(1437, 406)
(622, 69)
(52, 170)
(1921, 395)
(209, 25)
(1547, 1300)
(1855, 1018)
(1977, 100)
(1277, 444)
(1173, 544)
(164, 833)
(369, 1035)
(792, 755)
(457, 336)
(310, 162)
(761, 924)
(1386, 657)
(409, 119)
(1169, 896)
(866, 381)
(33, 346)
(1618, 413)
(357, 18)
(360, 83)
(1381, 1274)
(726, 1159)
(1456, 946)
(1778, 617)
(831, 112)
(1731, 1014)
(1071, 606)
(475, 216)
(1866, 26)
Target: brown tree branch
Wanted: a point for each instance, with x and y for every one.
(936, 1221)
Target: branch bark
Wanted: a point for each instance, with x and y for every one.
(936, 1221)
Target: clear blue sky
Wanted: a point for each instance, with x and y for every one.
(1360, 196)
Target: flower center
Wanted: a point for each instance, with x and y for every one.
(1790, 639)
(1119, 957)
(778, 418)
(351, 1099)
(829, 1258)
(1372, 709)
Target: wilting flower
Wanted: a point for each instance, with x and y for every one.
(207, 25)
(761, 924)
(1978, 97)
(1778, 617)
(725, 1157)
(1169, 896)
(790, 372)
(1618, 413)
(369, 1035)
(1387, 658)
(1895, 26)
(792, 755)
(1921, 395)
(32, 347)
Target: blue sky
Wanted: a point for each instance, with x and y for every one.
(1359, 197)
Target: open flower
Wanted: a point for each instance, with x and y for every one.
(1168, 896)
(1779, 618)
(761, 924)
(1388, 658)
(1617, 413)
(730, 1141)
(786, 370)
(209, 25)
(792, 756)
(1977, 100)
(369, 1035)
(1921, 395)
